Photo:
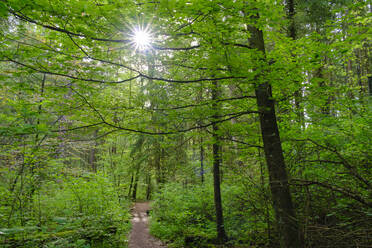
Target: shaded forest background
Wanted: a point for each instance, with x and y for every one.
(248, 123)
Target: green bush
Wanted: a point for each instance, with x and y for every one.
(82, 212)
(185, 216)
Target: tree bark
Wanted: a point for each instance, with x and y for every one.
(282, 202)
(201, 152)
(92, 153)
(292, 33)
(135, 185)
(157, 163)
(201, 160)
(148, 188)
(130, 186)
(291, 14)
(216, 147)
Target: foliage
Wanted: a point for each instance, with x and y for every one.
(88, 122)
(184, 216)
(73, 212)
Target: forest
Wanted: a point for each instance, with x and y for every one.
(242, 123)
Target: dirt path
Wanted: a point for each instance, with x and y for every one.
(140, 236)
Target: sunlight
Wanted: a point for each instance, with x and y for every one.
(141, 38)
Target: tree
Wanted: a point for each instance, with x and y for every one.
(80, 97)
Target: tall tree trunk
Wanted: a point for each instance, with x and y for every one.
(157, 163)
(291, 14)
(34, 164)
(292, 33)
(266, 198)
(221, 235)
(112, 154)
(130, 185)
(148, 188)
(325, 108)
(40, 105)
(201, 160)
(92, 153)
(200, 123)
(135, 185)
(282, 201)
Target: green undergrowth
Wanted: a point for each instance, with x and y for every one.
(76, 212)
(184, 216)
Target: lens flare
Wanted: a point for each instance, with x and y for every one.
(141, 38)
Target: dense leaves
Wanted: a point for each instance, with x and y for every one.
(70, 212)
(265, 101)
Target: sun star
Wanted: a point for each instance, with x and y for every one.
(141, 38)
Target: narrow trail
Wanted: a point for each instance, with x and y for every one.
(140, 236)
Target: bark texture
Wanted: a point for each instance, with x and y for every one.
(285, 215)
(221, 235)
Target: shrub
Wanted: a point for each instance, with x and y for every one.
(76, 212)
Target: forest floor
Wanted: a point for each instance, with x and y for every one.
(140, 236)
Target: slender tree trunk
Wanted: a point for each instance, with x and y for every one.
(292, 33)
(130, 185)
(221, 235)
(201, 160)
(112, 154)
(34, 164)
(148, 189)
(40, 105)
(325, 108)
(200, 122)
(157, 158)
(135, 185)
(267, 212)
(92, 153)
(282, 201)
(291, 14)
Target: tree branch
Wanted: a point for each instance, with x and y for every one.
(343, 161)
(345, 192)
(202, 104)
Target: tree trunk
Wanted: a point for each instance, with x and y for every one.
(221, 235)
(92, 153)
(201, 160)
(148, 188)
(157, 163)
(112, 154)
(291, 14)
(266, 198)
(130, 186)
(292, 33)
(135, 185)
(200, 123)
(285, 215)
